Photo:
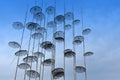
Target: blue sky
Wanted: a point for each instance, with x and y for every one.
(102, 16)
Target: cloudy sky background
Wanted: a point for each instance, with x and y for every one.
(102, 16)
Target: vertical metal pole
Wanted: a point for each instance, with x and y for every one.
(43, 60)
(64, 41)
(23, 36)
(54, 30)
(21, 44)
(40, 67)
(33, 51)
(40, 64)
(41, 51)
(28, 52)
(44, 50)
(83, 44)
(16, 68)
(36, 68)
(74, 64)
